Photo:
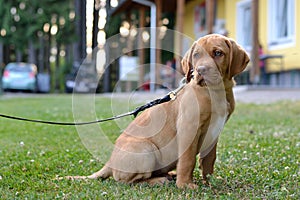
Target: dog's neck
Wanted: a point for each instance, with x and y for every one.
(229, 84)
(225, 84)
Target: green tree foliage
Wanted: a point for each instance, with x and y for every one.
(23, 20)
(25, 26)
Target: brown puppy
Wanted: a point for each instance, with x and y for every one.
(170, 135)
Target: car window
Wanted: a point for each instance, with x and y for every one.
(20, 68)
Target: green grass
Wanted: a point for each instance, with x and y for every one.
(258, 155)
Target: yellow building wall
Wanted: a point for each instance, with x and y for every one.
(220, 9)
(291, 54)
(230, 17)
(230, 10)
(189, 18)
(227, 9)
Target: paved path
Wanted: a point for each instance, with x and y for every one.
(263, 95)
(243, 94)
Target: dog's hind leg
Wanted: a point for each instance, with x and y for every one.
(156, 181)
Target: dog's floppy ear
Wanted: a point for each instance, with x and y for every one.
(187, 63)
(238, 59)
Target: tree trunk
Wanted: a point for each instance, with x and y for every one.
(19, 56)
(179, 37)
(95, 28)
(1, 55)
(31, 53)
(210, 15)
(69, 56)
(41, 65)
(158, 41)
(80, 45)
(46, 58)
(57, 69)
(106, 75)
(141, 47)
(78, 27)
(255, 71)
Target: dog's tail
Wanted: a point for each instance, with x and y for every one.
(104, 173)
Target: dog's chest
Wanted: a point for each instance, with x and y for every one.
(218, 118)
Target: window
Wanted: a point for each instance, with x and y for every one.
(281, 23)
(200, 22)
(244, 24)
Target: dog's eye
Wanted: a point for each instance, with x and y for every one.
(196, 55)
(218, 53)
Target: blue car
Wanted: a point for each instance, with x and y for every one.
(20, 76)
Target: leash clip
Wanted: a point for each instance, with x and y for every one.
(172, 95)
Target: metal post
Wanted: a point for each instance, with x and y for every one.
(152, 41)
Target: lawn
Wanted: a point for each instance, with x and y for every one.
(258, 154)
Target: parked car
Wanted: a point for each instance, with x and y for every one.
(20, 76)
(81, 81)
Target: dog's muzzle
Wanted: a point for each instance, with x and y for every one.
(201, 70)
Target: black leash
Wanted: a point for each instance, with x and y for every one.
(64, 123)
(134, 113)
(170, 96)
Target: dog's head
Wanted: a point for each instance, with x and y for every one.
(212, 56)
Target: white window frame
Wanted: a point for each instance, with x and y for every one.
(244, 36)
(275, 39)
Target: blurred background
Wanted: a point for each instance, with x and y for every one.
(62, 46)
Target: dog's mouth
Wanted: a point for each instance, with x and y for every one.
(198, 77)
(201, 81)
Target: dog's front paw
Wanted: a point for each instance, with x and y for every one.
(206, 178)
(205, 182)
(192, 186)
